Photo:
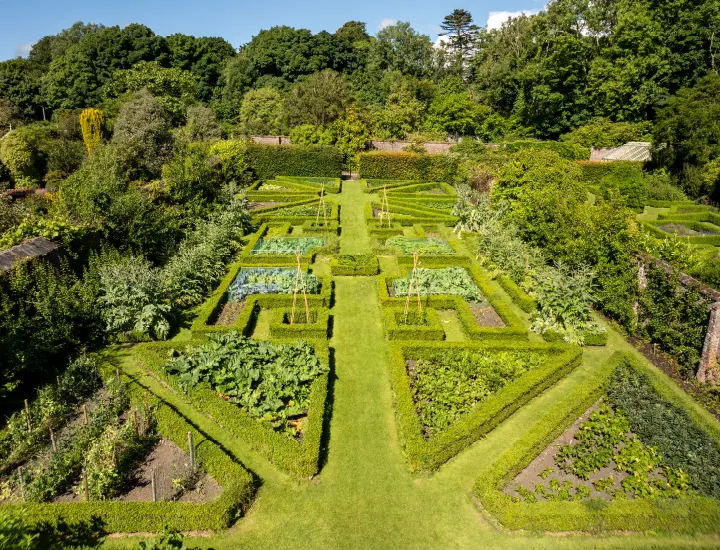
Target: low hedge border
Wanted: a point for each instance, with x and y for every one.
(409, 216)
(238, 486)
(707, 216)
(378, 184)
(526, 302)
(246, 257)
(691, 514)
(675, 204)
(300, 202)
(319, 227)
(384, 231)
(283, 451)
(431, 331)
(514, 328)
(332, 214)
(430, 454)
(332, 185)
(419, 190)
(279, 196)
(407, 166)
(589, 338)
(655, 231)
(211, 308)
(363, 265)
(318, 328)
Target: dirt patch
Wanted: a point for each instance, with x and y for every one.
(545, 462)
(230, 312)
(174, 479)
(433, 192)
(433, 235)
(260, 205)
(486, 316)
(670, 367)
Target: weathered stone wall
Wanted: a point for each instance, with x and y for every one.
(31, 248)
(709, 370)
(432, 147)
(597, 153)
(271, 140)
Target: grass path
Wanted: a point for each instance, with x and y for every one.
(364, 497)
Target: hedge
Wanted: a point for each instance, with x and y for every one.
(431, 330)
(209, 311)
(318, 328)
(268, 161)
(357, 265)
(283, 451)
(407, 166)
(568, 151)
(626, 176)
(425, 454)
(589, 338)
(274, 214)
(421, 190)
(526, 302)
(372, 185)
(408, 216)
(654, 229)
(314, 227)
(331, 185)
(280, 196)
(238, 486)
(706, 216)
(690, 514)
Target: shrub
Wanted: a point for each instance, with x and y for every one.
(407, 166)
(626, 177)
(568, 151)
(348, 264)
(601, 132)
(268, 161)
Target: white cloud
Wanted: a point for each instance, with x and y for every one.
(386, 23)
(440, 41)
(22, 50)
(497, 18)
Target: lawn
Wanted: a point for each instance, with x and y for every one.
(365, 495)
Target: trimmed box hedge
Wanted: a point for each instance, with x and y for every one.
(526, 302)
(589, 338)
(514, 328)
(354, 265)
(420, 190)
(407, 166)
(332, 185)
(318, 328)
(313, 227)
(238, 485)
(268, 161)
(690, 514)
(409, 216)
(429, 330)
(654, 229)
(424, 454)
(283, 451)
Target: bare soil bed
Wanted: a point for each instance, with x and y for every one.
(229, 313)
(261, 205)
(486, 316)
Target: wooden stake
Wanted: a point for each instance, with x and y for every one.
(152, 483)
(85, 486)
(27, 416)
(117, 374)
(137, 422)
(57, 378)
(413, 281)
(322, 205)
(52, 440)
(85, 416)
(191, 445)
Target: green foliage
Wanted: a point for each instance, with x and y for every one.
(232, 160)
(268, 161)
(602, 132)
(31, 226)
(201, 124)
(674, 319)
(320, 99)
(262, 112)
(309, 134)
(456, 114)
(410, 245)
(142, 134)
(271, 280)
(19, 156)
(683, 445)
(270, 381)
(169, 539)
(626, 177)
(351, 136)
(450, 280)
(287, 245)
(354, 264)
(447, 385)
(407, 166)
(567, 151)
(660, 187)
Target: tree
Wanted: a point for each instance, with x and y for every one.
(686, 135)
(462, 36)
(456, 113)
(91, 122)
(353, 32)
(142, 134)
(352, 136)
(203, 57)
(602, 132)
(320, 99)
(309, 134)
(19, 154)
(262, 111)
(9, 116)
(20, 85)
(399, 47)
(174, 88)
(402, 114)
(202, 124)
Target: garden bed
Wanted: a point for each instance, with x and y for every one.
(260, 205)
(229, 313)
(485, 315)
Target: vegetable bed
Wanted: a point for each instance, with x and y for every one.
(450, 280)
(268, 280)
(287, 245)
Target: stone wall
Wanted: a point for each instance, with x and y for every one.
(380, 145)
(271, 140)
(597, 153)
(31, 248)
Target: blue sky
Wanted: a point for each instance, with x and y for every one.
(24, 22)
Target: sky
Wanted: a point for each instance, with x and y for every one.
(23, 22)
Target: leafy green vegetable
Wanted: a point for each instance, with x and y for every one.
(449, 280)
(410, 245)
(270, 381)
(287, 245)
(272, 280)
(447, 385)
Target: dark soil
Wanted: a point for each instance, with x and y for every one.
(670, 367)
(259, 205)
(230, 312)
(486, 316)
(173, 479)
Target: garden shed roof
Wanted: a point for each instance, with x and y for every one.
(31, 248)
(638, 151)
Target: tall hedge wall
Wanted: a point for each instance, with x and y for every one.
(569, 151)
(269, 161)
(407, 166)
